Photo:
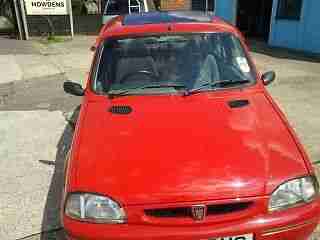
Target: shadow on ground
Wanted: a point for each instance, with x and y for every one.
(44, 93)
(51, 225)
(261, 47)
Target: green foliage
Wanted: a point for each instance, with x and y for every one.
(52, 39)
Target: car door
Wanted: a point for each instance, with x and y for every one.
(114, 8)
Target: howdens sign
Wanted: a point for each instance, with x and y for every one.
(46, 7)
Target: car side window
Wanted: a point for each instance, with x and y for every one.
(116, 7)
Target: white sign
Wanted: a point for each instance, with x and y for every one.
(46, 7)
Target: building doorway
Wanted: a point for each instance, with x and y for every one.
(203, 5)
(253, 18)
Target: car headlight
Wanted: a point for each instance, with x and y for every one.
(293, 192)
(94, 208)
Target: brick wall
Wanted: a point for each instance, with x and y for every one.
(176, 4)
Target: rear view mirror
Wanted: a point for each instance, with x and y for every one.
(268, 77)
(73, 88)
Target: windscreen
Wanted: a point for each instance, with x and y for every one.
(172, 63)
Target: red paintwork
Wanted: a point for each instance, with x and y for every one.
(174, 150)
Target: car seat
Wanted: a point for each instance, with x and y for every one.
(199, 67)
(135, 57)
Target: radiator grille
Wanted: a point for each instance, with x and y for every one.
(186, 212)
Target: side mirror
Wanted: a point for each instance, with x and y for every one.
(268, 77)
(73, 88)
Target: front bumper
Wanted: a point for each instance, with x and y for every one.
(293, 224)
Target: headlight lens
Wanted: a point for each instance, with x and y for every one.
(293, 192)
(94, 208)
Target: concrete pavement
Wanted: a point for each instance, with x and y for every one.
(24, 60)
(25, 180)
(13, 72)
(34, 135)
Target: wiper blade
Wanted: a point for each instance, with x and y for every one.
(230, 82)
(215, 84)
(164, 85)
(129, 90)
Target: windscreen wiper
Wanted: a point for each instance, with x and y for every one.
(214, 85)
(128, 91)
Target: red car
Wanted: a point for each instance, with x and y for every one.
(178, 138)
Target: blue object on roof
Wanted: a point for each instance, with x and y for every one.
(166, 17)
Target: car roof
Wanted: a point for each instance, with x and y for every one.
(166, 17)
(163, 22)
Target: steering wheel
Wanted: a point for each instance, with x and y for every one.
(149, 74)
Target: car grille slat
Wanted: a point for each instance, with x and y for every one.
(227, 208)
(169, 212)
(186, 212)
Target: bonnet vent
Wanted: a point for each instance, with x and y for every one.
(238, 103)
(123, 110)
